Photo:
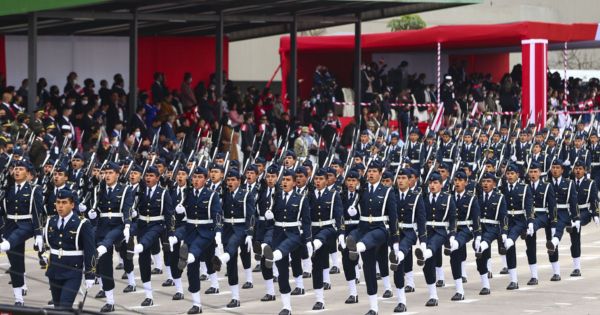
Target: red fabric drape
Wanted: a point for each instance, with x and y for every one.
(495, 64)
(176, 55)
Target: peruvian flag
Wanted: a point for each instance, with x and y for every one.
(535, 63)
(437, 120)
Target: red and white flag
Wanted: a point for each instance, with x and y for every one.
(437, 120)
(535, 62)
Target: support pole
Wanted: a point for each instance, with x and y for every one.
(133, 64)
(439, 72)
(32, 64)
(357, 62)
(219, 64)
(566, 91)
(293, 67)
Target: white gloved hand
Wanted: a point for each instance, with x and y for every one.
(92, 214)
(39, 243)
(530, 229)
(342, 241)
(269, 215)
(513, 158)
(352, 211)
(138, 248)
(423, 246)
(597, 221)
(4, 246)
(180, 209)
(477, 242)
(396, 248)
(126, 233)
(82, 208)
(567, 163)
(577, 225)
(218, 239)
(452, 238)
(134, 214)
(172, 242)
(309, 248)
(89, 283)
(248, 243)
(504, 238)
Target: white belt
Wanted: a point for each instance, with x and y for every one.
(374, 219)
(111, 215)
(466, 222)
(234, 220)
(438, 224)
(287, 224)
(415, 161)
(195, 221)
(540, 209)
(520, 162)
(595, 164)
(152, 219)
(407, 226)
(562, 206)
(60, 252)
(488, 221)
(516, 212)
(448, 160)
(584, 206)
(323, 223)
(19, 216)
(351, 222)
(262, 218)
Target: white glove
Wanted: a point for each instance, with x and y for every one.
(248, 243)
(269, 215)
(342, 241)
(567, 163)
(180, 209)
(577, 225)
(513, 158)
(39, 243)
(396, 248)
(172, 242)
(530, 229)
(553, 231)
(352, 211)
(82, 208)
(452, 238)
(92, 214)
(477, 242)
(134, 214)
(423, 246)
(309, 248)
(138, 248)
(218, 239)
(503, 238)
(89, 283)
(126, 233)
(597, 221)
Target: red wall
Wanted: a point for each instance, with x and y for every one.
(496, 64)
(176, 55)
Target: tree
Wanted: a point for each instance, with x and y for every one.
(407, 22)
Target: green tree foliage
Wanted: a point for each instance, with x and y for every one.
(407, 22)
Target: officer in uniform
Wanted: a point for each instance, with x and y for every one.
(326, 212)
(238, 211)
(414, 148)
(594, 150)
(178, 194)
(202, 209)
(333, 183)
(72, 251)
(441, 224)
(541, 158)
(22, 207)
(519, 203)
(155, 214)
(467, 228)
(377, 204)
(216, 174)
(263, 234)
(76, 175)
(566, 212)
(587, 208)
(349, 198)
(493, 212)
(470, 152)
(447, 152)
(111, 212)
(60, 181)
(299, 261)
(137, 188)
(411, 226)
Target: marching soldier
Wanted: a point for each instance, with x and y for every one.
(22, 207)
(137, 187)
(411, 227)
(493, 212)
(202, 209)
(326, 212)
(59, 181)
(594, 156)
(566, 213)
(470, 153)
(467, 228)
(111, 208)
(72, 251)
(519, 208)
(414, 148)
(441, 224)
(377, 204)
(300, 262)
(155, 211)
(238, 212)
(349, 198)
(447, 152)
(587, 208)
(544, 202)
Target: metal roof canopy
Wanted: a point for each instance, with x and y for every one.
(243, 19)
